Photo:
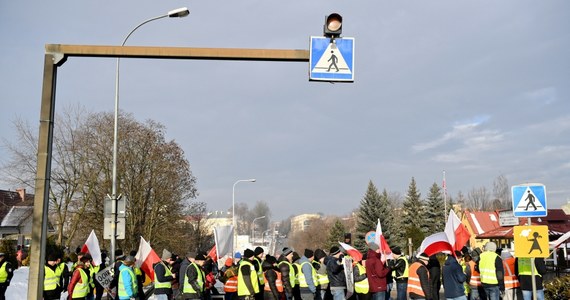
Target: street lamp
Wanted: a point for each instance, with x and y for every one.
(253, 226)
(234, 210)
(176, 13)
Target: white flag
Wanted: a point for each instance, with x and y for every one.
(224, 238)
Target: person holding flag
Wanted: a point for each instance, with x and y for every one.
(376, 271)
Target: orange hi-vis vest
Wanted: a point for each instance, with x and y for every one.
(414, 283)
(511, 280)
(475, 276)
(278, 283)
(231, 285)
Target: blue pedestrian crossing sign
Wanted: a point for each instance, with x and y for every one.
(529, 200)
(331, 60)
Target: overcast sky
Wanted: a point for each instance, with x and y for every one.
(475, 88)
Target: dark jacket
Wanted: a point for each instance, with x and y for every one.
(499, 272)
(335, 272)
(160, 275)
(399, 266)
(453, 278)
(434, 269)
(376, 271)
(245, 271)
(181, 272)
(285, 275)
(271, 275)
(356, 273)
(10, 272)
(526, 280)
(53, 294)
(423, 275)
(193, 275)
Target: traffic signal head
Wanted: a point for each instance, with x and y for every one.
(333, 25)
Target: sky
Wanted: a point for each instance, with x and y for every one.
(476, 88)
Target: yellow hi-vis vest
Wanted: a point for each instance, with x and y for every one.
(81, 289)
(259, 271)
(525, 268)
(302, 279)
(188, 288)
(406, 270)
(361, 287)
(121, 287)
(464, 267)
(51, 280)
(167, 272)
(3, 272)
(93, 270)
(242, 288)
(292, 275)
(487, 267)
(322, 278)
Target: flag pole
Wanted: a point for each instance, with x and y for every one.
(444, 199)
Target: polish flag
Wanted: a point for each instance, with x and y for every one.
(213, 254)
(91, 246)
(436, 243)
(456, 233)
(379, 239)
(146, 258)
(353, 252)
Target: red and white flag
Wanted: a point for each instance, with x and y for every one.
(213, 254)
(91, 246)
(436, 243)
(381, 242)
(353, 252)
(456, 233)
(146, 258)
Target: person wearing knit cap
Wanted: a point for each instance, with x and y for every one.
(248, 283)
(400, 268)
(377, 272)
(418, 278)
(287, 271)
(307, 276)
(257, 263)
(78, 287)
(335, 273)
(321, 268)
(127, 283)
(52, 290)
(193, 286)
(490, 266)
(273, 289)
(163, 276)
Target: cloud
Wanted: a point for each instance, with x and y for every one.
(461, 130)
(543, 96)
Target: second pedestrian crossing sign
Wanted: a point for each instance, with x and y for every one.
(331, 60)
(529, 200)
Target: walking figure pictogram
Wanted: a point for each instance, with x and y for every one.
(333, 61)
(530, 197)
(535, 244)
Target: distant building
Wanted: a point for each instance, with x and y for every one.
(16, 214)
(218, 218)
(302, 222)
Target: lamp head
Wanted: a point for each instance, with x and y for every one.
(179, 12)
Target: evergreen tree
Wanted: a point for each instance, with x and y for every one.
(434, 212)
(373, 207)
(336, 234)
(412, 212)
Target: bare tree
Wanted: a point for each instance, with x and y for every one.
(479, 199)
(501, 192)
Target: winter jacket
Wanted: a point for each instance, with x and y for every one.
(181, 272)
(453, 278)
(286, 274)
(376, 271)
(526, 280)
(335, 272)
(271, 275)
(160, 275)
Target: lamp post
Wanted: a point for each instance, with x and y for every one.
(234, 211)
(176, 13)
(253, 226)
